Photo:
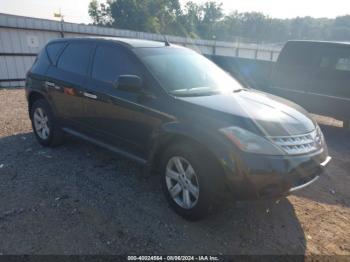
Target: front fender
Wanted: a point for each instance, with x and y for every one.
(211, 140)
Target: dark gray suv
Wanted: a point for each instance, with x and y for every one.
(178, 114)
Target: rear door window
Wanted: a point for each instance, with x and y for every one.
(336, 58)
(75, 58)
(343, 64)
(298, 54)
(296, 66)
(333, 72)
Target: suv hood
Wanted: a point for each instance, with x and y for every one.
(271, 115)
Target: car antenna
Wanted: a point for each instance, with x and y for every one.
(166, 42)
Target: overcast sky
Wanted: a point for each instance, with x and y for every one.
(76, 10)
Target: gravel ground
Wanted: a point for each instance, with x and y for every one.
(81, 199)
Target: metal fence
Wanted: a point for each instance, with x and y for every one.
(21, 38)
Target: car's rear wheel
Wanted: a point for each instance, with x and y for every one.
(45, 126)
(188, 181)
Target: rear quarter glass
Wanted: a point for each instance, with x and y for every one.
(53, 50)
(41, 63)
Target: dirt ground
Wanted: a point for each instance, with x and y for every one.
(80, 199)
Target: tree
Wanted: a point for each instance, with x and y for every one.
(156, 16)
(208, 21)
(340, 30)
(129, 14)
(189, 19)
(99, 13)
(166, 12)
(211, 14)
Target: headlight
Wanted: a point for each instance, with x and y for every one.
(319, 138)
(249, 142)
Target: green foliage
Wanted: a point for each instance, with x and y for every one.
(154, 16)
(208, 21)
(99, 13)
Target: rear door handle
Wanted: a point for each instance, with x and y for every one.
(89, 95)
(51, 85)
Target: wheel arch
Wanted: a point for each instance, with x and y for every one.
(34, 96)
(168, 139)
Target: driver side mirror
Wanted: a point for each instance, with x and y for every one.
(129, 83)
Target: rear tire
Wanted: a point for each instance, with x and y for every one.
(190, 195)
(44, 124)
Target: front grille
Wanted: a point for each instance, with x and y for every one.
(299, 144)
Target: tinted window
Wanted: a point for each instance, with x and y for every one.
(53, 51)
(41, 63)
(75, 58)
(336, 59)
(297, 54)
(110, 62)
(343, 64)
(184, 72)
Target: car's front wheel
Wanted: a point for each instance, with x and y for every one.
(45, 126)
(188, 181)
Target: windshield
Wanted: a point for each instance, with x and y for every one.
(183, 72)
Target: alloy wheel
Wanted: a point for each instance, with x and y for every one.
(41, 123)
(182, 182)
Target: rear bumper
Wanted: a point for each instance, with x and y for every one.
(258, 176)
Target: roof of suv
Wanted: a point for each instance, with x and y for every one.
(319, 42)
(130, 42)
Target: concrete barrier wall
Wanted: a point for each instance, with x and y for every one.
(21, 38)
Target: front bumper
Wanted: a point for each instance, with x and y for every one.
(259, 176)
(297, 188)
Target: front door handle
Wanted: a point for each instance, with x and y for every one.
(89, 95)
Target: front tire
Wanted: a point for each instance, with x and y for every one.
(188, 181)
(45, 127)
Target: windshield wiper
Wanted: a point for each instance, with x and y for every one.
(191, 89)
(194, 94)
(239, 90)
(194, 91)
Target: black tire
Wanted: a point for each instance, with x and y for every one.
(56, 135)
(206, 174)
